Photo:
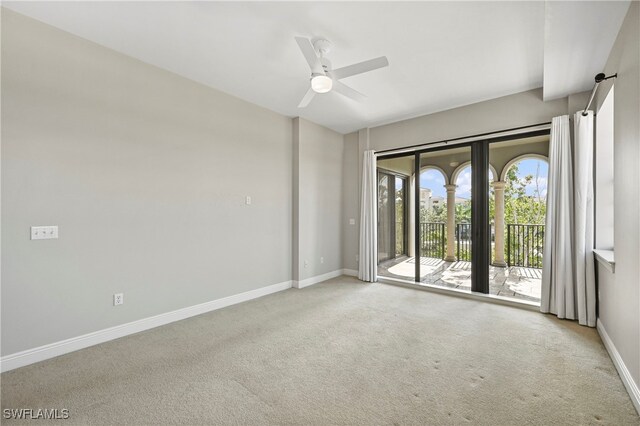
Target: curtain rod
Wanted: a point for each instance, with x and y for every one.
(599, 79)
(497, 133)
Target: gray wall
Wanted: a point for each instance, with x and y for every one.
(350, 202)
(318, 167)
(146, 174)
(521, 109)
(619, 309)
(578, 101)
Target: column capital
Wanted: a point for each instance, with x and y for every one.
(450, 188)
(499, 185)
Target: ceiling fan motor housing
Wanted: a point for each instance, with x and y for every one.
(322, 46)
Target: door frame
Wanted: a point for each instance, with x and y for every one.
(392, 228)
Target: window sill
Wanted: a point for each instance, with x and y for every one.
(606, 259)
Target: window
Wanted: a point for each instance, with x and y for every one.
(604, 175)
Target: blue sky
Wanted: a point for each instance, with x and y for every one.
(434, 180)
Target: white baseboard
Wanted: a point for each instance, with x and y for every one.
(625, 375)
(30, 356)
(317, 279)
(350, 272)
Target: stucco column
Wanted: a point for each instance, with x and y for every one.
(451, 223)
(498, 188)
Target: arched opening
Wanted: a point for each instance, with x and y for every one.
(525, 193)
(433, 196)
(465, 168)
(462, 179)
(433, 213)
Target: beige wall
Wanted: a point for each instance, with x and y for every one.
(146, 175)
(619, 293)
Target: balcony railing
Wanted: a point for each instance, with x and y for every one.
(524, 245)
(463, 241)
(432, 240)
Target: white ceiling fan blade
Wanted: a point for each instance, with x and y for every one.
(347, 91)
(359, 68)
(307, 98)
(309, 54)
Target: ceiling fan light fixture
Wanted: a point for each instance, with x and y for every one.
(321, 83)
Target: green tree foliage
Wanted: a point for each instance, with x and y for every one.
(438, 213)
(520, 208)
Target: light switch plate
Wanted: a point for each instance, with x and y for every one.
(352, 221)
(44, 232)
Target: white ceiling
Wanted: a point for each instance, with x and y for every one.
(442, 54)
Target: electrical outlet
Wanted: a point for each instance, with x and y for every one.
(118, 299)
(322, 260)
(352, 221)
(306, 263)
(247, 200)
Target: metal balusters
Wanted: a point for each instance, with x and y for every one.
(525, 243)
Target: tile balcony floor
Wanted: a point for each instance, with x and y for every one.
(514, 282)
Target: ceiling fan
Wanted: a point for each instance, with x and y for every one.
(324, 78)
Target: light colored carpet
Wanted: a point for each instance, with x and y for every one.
(340, 352)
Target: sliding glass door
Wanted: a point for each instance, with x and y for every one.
(517, 210)
(385, 217)
(400, 201)
(432, 211)
(395, 222)
(392, 229)
(469, 217)
(444, 217)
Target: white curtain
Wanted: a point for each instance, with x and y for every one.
(568, 275)
(368, 268)
(558, 295)
(583, 218)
